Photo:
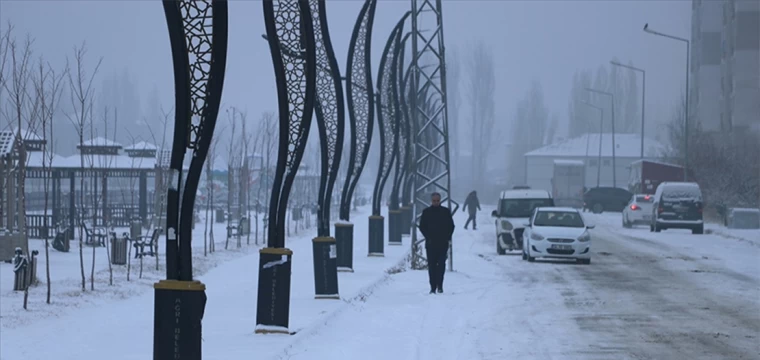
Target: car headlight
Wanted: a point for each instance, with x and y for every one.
(505, 225)
(585, 237)
(534, 236)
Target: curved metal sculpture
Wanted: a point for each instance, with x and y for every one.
(329, 109)
(290, 34)
(361, 102)
(289, 27)
(198, 37)
(197, 28)
(386, 115)
(399, 135)
(404, 130)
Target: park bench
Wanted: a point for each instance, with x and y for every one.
(150, 242)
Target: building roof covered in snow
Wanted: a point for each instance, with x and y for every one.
(626, 145)
(100, 141)
(142, 145)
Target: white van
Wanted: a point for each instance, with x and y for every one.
(514, 210)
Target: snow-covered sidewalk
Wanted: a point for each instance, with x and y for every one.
(124, 327)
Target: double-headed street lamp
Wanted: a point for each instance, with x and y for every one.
(601, 128)
(686, 111)
(643, 97)
(612, 101)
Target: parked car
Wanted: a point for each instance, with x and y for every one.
(555, 232)
(601, 199)
(515, 208)
(678, 205)
(638, 211)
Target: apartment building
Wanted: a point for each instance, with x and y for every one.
(725, 64)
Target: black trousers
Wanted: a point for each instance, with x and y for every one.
(473, 218)
(436, 266)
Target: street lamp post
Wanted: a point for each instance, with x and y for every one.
(601, 128)
(686, 111)
(643, 97)
(612, 100)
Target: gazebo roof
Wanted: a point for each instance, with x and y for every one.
(100, 142)
(142, 145)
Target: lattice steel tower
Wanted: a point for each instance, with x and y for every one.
(431, 165)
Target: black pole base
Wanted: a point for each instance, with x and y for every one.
(376, 236)
(394, 227)
(177, 313)
(325, 268)
(344, 242)
(406, 220)
(273, 305)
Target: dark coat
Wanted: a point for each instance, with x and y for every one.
(437, 226)
(472, 202)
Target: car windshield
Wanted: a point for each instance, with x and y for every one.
(559, 219)
(682, 192)
(521, 208)
(644, 199)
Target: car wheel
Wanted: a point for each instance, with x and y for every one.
(531, 259)
(524, 257)
(626, 223)
(698, 230)
(597, 208)
(657, 228)
(499, 249)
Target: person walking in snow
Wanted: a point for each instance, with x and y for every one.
(437, 226)
(473, 203)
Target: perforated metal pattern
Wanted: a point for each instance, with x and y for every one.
(7, 139)
(196, 19)
(361, 102)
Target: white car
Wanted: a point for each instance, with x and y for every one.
(557, 232)
(515, 208)
(638, 211)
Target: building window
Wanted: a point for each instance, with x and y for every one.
(593, 163)
(748, 30)
(606, 162)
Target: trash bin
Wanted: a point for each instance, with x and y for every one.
(119, 249)
(24, 270)
(245, 226)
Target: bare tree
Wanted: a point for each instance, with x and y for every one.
(232, 161)
(453, 75)
(5, 44)
(159, 193)
(48, 86)
(245, 176)
(81, 96)
(480, 93)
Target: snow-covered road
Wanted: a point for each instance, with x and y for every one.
(645, 296)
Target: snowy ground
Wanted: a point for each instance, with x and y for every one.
(118, 319)
(645, 296)
(670, 295)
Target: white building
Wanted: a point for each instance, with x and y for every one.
(539, 163)
(724, 71)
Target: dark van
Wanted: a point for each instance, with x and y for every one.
(678, 205)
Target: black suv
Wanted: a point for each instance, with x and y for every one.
(678, 205)
(602, 199)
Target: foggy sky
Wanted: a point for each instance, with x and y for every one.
(543, 40)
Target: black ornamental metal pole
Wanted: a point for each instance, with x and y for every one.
(386, 125)
(197, 28)
(408, 131)
(329, 109)
(394, 210)
(361, 115)
(289, 29)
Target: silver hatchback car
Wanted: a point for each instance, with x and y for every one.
(638, 211)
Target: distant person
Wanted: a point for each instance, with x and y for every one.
(437, 226)
(474, 204)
